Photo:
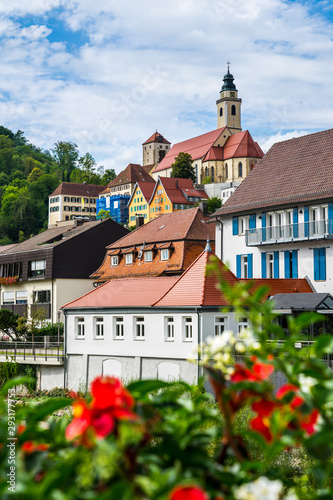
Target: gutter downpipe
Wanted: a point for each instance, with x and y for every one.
(221, 229)
(200, 343)
(65, 348)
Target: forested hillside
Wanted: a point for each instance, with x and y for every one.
(28, 175)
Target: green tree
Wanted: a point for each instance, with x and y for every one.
(8, 322)
(108, 176)
(34, 174)
(182, 168)
(213, 204)
(104, 214)
(66, 155)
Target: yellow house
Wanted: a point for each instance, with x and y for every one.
(171, 194)
(139, 201)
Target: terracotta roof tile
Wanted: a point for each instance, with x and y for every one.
(126, 292)
(75, 189)
(281, 285)
(241, 145)
(294, 171)
(155, 138)
(133, 173)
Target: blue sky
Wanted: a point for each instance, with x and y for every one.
(106, 74)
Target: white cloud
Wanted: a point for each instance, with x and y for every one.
(145, 65)
(267, 143)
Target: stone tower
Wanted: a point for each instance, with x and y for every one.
(154, 149)
(229, 105)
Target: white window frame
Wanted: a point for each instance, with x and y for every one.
(148, 256)
(289, 223)
(243, 224)
(38, 267)
(243, 323)
(187, 328)
(114, 260)
(99, 327)
(169, 328)
(79, 327)
(8, 298)
(118, 327)
(220, 325)
(270, 265)
(244, 266)
(164, 254)
(139, 328)
(129, 258)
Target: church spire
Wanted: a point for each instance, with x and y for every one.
(229, 105)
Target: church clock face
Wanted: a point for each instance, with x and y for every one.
(232, 94)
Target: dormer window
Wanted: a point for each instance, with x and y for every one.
(148, 256)
(129, 258)
(165, 254)
(114, 260)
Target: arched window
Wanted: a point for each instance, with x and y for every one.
(206, 172)
(233, 110)
(212, 175)
(221, 112)
(196, 172)
(226, 171)
(240, 169)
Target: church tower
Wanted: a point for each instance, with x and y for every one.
(229, 105)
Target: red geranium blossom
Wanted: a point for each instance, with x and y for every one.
(188, 493)
(256, 373)
(29, 447)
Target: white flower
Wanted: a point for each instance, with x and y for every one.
(291, 496)
(306, 383)
(262, 488)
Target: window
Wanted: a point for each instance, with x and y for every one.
(242, 324)
(221, 111)
(42, 297)
(233, 110)
(290, 264)
(243, 224)
(119, 327)
(114, 260)
(21, 297)
(226, 171)
(37, 268)
(220, 325)
(73, 200)
(79, 328)
(313, 221)
(129, 258)
(188, 328)
(165, 254)
(213, 174)
(244, 265)
(148, 256)
(240, 169)
(270, 224)
(99, 328)
(139, 328)
(67, 198)
(319, 264)
(196, 172)
(169, 328)
(289, 222)
(8, 297)
(270, 265)
(159, 191)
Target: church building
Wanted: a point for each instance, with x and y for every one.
(224, 155)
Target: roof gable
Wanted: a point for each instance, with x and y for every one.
(78, 189)
(133, 173)
(156, 137)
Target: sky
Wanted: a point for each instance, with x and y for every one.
(106, 74)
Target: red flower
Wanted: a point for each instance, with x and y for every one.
(188, 493)
(257, 373)
(261, 425)
(285, 389)
(29, 447)
(308, 422)
(111, 402)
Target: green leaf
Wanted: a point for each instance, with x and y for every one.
(140, 388)
(324, 344)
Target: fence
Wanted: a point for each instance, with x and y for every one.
(48, 350)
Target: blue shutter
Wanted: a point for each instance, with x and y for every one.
(250, 265)
(263, 225)
(330, 218)
(295, 221)
(235, 226)
(294, 264)
(322, 264)
(316, 263)
(286, 264)
(306, 221)
(263, 265)
(238, 266)
(276, 264)
(252, 221)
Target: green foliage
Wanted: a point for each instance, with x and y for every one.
(182, 168)
(213, 204)
(104, 214)
(8, 322)
(206, 180)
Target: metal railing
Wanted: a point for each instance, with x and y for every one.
(47, 350)
(305, 344)
(291, 232)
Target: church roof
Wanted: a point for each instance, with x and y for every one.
(156, 137)
(238, 145)
(197, 147)
(228, 80)
(294, 171)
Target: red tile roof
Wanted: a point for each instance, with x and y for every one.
(195, 288)
(196, 147)
(282, 285)
(295, 171)
(146, 189)
(133, 173)
(125, 292)
(155, 138)
(177, 188)
(241, 145)
(187, 224)
(75, 189)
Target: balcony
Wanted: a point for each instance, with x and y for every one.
(303, 231)
(51, 351)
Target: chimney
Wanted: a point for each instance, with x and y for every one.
(139, 221)
(176, 183)
(203, 206)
